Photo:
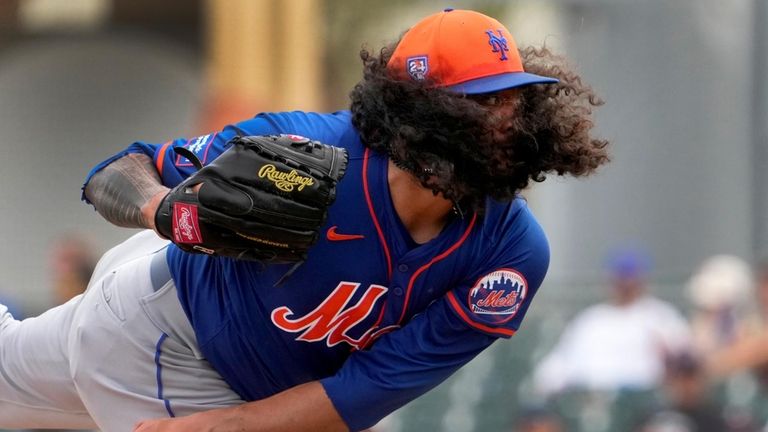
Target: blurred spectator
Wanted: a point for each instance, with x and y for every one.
(620, 344)
(743, 356)
(722, 293)
(539, 419)
(667, 421)
(687, 402)
(72, 260)
(747, 349)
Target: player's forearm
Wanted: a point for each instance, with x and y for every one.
(127, 191)
(302, 408)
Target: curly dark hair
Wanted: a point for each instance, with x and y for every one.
(459, 148)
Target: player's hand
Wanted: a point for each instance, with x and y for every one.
(221, 419)
(162, 425)
(193, 423)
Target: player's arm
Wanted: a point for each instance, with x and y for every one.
(302, 408)
(127, 188)
(405, 364)
(127, 191)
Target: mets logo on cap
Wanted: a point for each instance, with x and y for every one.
(499, 294)
(418, 67)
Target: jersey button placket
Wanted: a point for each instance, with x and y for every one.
(400, 280)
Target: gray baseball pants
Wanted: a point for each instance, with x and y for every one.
(122, 352)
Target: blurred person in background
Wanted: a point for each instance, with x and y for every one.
(72, 260)
(722, 293)
(619, 344)
(732, 317)
(749, 351)
(687, 400)
(666, 421)
(539, 419)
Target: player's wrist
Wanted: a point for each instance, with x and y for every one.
(149, 209)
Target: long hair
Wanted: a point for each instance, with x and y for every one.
(456, 146)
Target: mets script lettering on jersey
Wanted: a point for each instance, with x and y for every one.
(333, 319)
(285, 181)
(498, 43)
(495, 300)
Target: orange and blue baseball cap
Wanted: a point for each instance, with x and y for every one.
(463, 51)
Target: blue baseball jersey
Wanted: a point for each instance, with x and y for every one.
(376, 317)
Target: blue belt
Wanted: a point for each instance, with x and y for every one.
(159, 273)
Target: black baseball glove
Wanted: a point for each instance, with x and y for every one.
(264, 199)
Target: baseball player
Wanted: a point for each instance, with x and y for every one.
(426, 257)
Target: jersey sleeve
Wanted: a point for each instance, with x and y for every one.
(496, 301)
(402, 365)
(174, 168)
(410, 361)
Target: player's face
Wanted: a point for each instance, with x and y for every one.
(503, 106)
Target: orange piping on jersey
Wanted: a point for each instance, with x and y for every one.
(161, 157)
(432, 261)
(494, 330)
(373, 214)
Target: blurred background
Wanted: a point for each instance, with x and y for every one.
(653, 316)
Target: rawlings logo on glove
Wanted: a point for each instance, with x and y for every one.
(185, 226)
(283, 180)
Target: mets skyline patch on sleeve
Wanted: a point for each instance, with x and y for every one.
(498, 296)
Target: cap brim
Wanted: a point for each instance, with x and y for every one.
(500, 82)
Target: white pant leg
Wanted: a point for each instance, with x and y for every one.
(122, 351)
(36, 390)
(134, 355)
(36, 387)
